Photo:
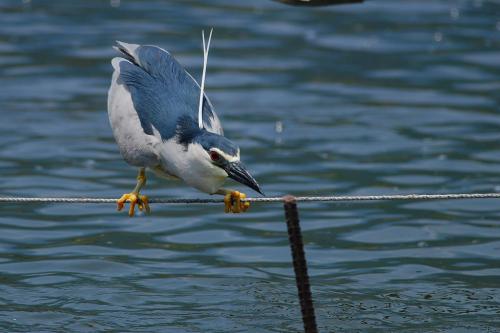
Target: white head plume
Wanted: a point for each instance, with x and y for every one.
(202, 88)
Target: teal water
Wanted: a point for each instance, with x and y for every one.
(386, 97)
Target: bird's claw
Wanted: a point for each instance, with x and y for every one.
(233, 203)
(135, 199)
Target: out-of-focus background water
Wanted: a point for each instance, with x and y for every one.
(384, 97)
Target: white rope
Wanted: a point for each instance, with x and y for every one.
(411, 197)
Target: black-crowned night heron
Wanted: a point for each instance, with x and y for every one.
(163, 121)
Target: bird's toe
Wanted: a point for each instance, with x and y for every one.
(120, 203)
(144, 204)
(234, 202)
(134, 199)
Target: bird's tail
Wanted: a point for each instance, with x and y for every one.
(127, 51)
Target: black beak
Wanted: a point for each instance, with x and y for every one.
(237, 171)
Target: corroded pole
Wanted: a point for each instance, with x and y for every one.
(300, 264)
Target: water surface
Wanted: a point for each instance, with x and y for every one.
(387, 97)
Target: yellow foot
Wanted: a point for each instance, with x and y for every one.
(135, 199)
(233, 203)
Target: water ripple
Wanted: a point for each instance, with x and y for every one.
(383, 97)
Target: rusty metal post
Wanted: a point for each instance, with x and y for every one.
(300, 264)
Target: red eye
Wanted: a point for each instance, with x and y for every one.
(214, 156)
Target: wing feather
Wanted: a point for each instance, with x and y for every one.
(162, 90)
(136, 146)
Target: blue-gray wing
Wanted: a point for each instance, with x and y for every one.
(162, 91)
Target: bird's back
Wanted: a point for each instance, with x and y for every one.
(162, 91)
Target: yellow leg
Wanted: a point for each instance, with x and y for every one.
(134, 197)
(233, 202)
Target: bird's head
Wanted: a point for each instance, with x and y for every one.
(224, 154)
